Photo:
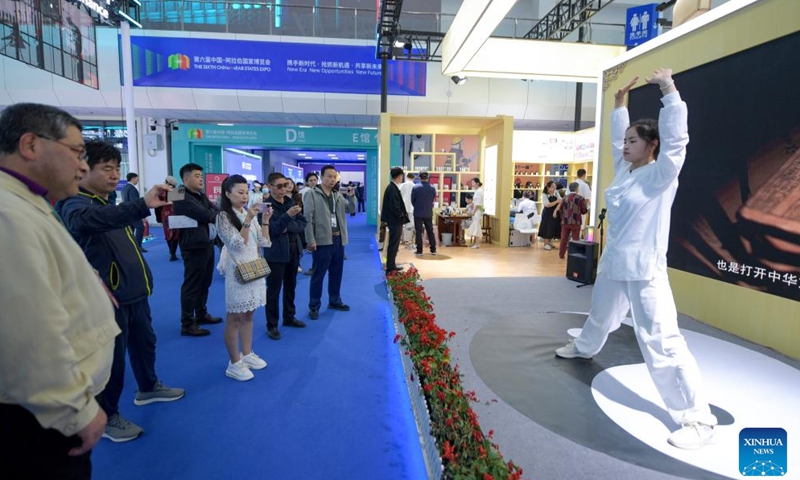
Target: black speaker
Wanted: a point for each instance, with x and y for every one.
(582, 261)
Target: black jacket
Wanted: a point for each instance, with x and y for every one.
(393, 210)
(104, 234)
(422, 197)
(129, 193)
(284, 230)
(200, 208)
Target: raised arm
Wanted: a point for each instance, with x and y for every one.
(620, 121)
(673, 128)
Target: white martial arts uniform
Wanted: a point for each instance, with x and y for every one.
(633, 269)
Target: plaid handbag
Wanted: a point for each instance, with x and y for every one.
(253, 270)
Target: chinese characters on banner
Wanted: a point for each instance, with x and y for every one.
(278, 66)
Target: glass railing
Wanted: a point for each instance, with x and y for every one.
(272, 18)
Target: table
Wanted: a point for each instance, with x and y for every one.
(452, 224)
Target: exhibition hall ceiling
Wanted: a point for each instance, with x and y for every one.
(278, 118)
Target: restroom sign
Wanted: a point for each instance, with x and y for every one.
(641, 24)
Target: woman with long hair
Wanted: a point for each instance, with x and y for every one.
(632, 275)
(475, 229)
(243, 236)
(550, 224)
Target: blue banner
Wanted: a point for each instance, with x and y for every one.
(641, 24)
(278, 66)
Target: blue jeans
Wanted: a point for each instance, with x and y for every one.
(327, 259)
(139, 340)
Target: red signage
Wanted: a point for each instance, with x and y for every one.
(214, 185)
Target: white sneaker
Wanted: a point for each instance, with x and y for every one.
(475, 246)
(547, 246)
(239, 371)
(692, 436)
(569, 351)
(253, 361)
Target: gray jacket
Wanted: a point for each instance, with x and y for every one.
(317, 212)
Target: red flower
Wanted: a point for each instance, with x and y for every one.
(449, 452)
(486, 476)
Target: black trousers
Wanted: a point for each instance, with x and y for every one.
(31, 452)
(395, 235)
(361, 205)
(173, 246)
(428, 224)
(198, 271)
(138, 230)
(139, 340)
(283, 275)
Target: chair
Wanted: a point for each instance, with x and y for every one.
(486, 227)
(527, 228)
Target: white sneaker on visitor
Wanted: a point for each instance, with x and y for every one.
(569, 351)
(475, 246)
(253, 361)
(692, 436)
(239, 371)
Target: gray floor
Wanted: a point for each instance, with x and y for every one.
(542, 413)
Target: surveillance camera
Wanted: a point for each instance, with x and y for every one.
(175, 125)
(152, 128)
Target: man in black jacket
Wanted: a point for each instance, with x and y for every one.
(393, 214)
(103, 231)
(422, 198)
(285, 229)
(197, 251)
(129, 194)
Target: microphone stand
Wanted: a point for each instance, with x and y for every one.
(599, 246)
(600, 226)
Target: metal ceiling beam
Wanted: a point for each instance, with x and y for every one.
(388, 26)
(424, 46)
(566, 17)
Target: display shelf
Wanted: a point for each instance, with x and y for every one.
(450, 178)
(539, 173)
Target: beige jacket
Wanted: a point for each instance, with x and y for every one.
(57, 324)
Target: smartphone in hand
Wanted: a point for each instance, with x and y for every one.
(266, 206)
(175, 195)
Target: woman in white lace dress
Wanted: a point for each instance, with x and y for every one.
(243, 237)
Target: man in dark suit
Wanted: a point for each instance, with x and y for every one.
(197, 250)
(393, 214)
(130, 194)
(422, 197)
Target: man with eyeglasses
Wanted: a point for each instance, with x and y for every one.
(57, 328)
(285, 227)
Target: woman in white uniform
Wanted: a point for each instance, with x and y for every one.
(477, 206)
(633, 269)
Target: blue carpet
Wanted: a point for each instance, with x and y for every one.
(332, 403)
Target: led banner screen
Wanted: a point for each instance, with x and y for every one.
(278, 66)
(736, 216)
